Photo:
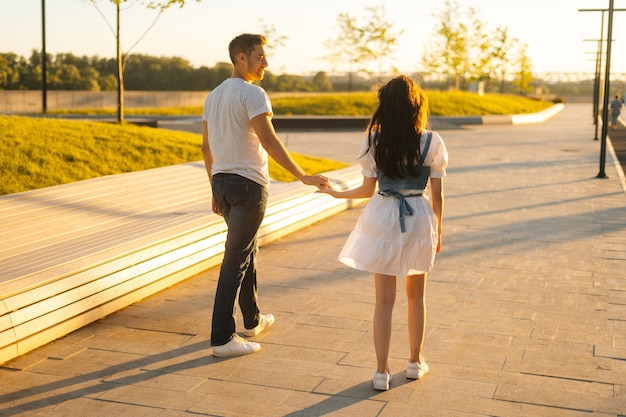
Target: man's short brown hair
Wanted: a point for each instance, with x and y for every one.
(244, 43)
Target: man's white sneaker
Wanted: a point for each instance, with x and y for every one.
(381, 381)
(416, 370)
(237, 346)
(265, 321)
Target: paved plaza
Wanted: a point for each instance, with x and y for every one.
(526, 306)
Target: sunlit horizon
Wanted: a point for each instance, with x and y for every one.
(559, 36)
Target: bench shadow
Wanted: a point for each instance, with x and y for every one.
(61, 391)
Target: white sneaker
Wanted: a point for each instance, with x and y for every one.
(416, 370)
(381, 381)
(265, 321)
(237, 346)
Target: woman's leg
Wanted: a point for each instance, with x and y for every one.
(385, 298)
(415, 293)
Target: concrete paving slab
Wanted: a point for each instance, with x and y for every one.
(526, 307)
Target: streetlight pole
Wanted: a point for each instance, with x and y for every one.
(596, 80)
(596, 86)
(607, 74)
(44, 60)
(120, 71)
(607, 81)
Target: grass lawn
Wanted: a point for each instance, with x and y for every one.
(37, 152)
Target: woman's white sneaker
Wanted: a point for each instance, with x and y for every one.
(416, 370)
(381, 381)
(237, 346)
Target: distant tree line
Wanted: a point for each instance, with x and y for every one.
(143, 72)
(147, 73)
(462, 53)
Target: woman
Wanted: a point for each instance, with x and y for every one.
(399, 231)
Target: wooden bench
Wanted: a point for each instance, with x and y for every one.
(72, 254)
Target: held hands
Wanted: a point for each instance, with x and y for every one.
(319, 181)
(327, 189)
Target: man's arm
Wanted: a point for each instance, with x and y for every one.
(264, 129)
(208, 160)
(206, 149)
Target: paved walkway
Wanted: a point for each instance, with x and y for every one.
(527, 307)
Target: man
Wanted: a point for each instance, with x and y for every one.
(616, 108)
(237, 136)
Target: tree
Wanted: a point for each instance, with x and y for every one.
(30, 74)
(322, 82)
(359, 44)
(152, 73)
(348, 47)
(479, 48)
(274, 39)
(500, 62)
(523, 75)
(464, 50)
(161, 6)
(10, 65)
(448, 55)
(381, 41)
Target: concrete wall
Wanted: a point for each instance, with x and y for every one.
(18, 101)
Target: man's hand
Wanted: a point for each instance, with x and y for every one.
(319, 181)
(215, 208)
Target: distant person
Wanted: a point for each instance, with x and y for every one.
(399, 230)
(616, 109)
(237, 136)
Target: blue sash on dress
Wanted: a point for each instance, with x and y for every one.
(389, 187)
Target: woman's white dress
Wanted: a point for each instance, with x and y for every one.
(376, 244)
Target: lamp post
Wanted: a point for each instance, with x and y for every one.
(120, 70)
(44, 60)
(607, 82)
(607, 73)
(596, 82)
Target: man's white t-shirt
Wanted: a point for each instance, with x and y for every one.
(235, 147)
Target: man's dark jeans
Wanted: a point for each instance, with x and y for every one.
(242, 203)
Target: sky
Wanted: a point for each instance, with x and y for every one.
(560, 38)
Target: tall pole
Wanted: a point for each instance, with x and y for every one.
(596, 89)
(605, 94)
(596, 82)
(44, 60)
(596, 101)
(120, 72)
(605, 110)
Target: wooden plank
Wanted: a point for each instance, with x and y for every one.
(9, 352)
(96, 209)
(5, 323)
(179, 258)
(104, 290)
(106, 262)
(7, 337)
(34, 341)
(149, 184)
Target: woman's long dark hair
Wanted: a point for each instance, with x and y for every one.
(396, 126)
